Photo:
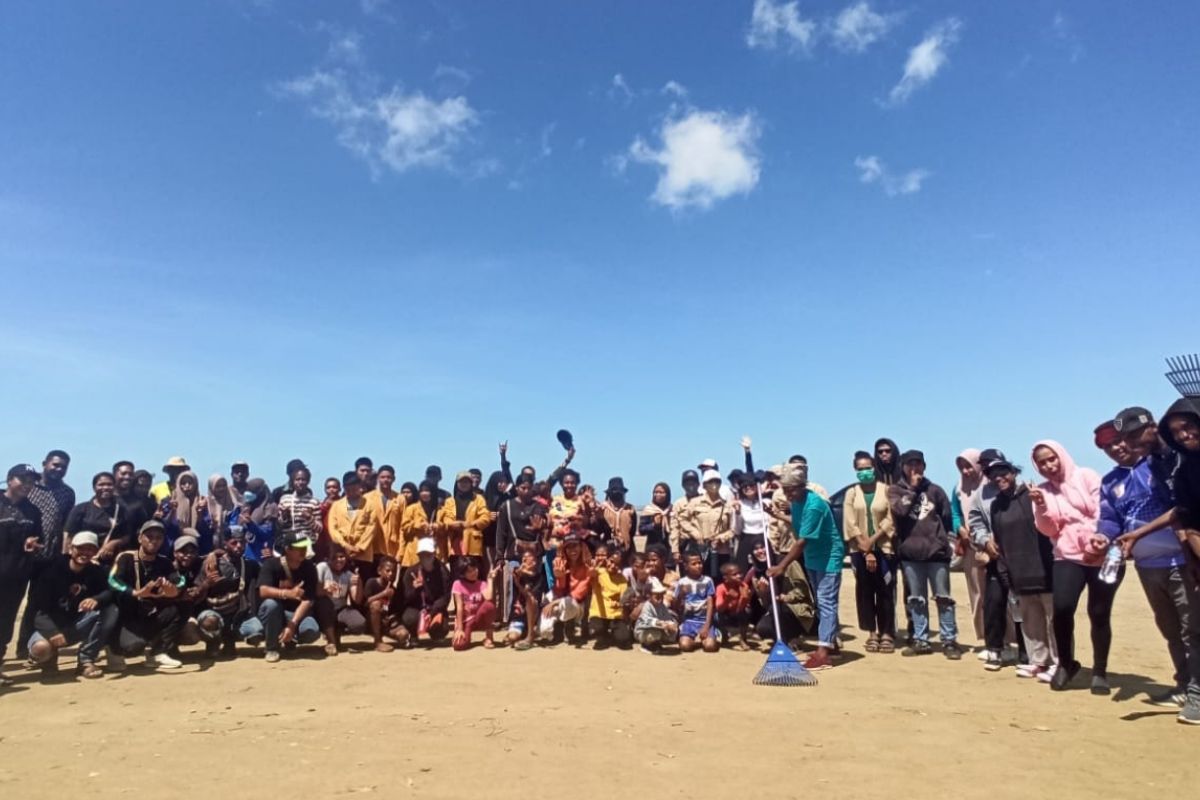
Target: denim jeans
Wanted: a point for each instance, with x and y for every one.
(826, 586)
(92, 629)
(270, 621)
(920, 577)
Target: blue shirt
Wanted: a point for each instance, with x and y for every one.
(813, 522)
(1131, 497)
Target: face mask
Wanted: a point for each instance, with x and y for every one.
(865, 475)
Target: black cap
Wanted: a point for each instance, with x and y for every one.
(998, 464)
(350, 479)
(565, 439)
(690, 475)
(295, 539)
(991, 456)
(616, 485)
(912, 455)
(1132, 419)
(23, 471)
(736, 477)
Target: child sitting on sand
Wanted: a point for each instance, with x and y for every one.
(656, 624)
(733, 605)
(529, 582)
(473, 607)
(607, 623)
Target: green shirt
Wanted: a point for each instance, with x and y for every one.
(813, 522)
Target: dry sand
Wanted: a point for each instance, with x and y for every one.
(584, 724)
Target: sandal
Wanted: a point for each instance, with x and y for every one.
(488, 644)
(90, 671)
(872, 645)
(887, 645)
(523, 645)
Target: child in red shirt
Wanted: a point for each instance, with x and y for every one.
(733, 605)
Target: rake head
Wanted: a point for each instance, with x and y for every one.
(784, 669)
(1185, 374)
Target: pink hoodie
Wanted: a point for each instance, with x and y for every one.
(1072, 509)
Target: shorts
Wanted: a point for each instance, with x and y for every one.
(517, 626)
(691, 629)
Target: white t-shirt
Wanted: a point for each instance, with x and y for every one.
(340, 596)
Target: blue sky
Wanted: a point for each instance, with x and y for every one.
(411, 230)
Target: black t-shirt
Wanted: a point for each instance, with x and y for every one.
(535, 583)
(100, 521)
(275, 573)
(58, 591)
(130, 572)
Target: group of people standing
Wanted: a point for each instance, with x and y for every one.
(143, 567)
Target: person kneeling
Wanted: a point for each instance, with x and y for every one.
(426, 595)
(656, 624)
(473, 606)
(694, 595)
(529, 580)
(72, 603)
(382, 606)
(338, 596)
(287, 589)
(607, 623)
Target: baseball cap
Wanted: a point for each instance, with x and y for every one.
(710, 475)
(151, 525)
(294, 539)
(656, 586)
(998, 464)
(426, 545)
(464, 475)
(245, 464)
(990, 456)
(912, 455)
(708, 463)
(1105, 434)
(85, 538)
(690, 475)
(22, 471)
(1132, 419)
(185, 540)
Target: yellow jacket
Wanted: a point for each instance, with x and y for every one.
(468, 540)
(413, 527)
(357, 533)
(387, 521)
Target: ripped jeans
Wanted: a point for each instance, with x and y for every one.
(919, 577)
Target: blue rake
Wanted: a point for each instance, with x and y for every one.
(782, 667)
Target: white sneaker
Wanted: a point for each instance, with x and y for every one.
(164, 661)
(1047, 673)
(985, 654)
(114, 662)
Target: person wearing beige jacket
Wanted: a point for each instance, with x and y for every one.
(869, 532)
(352, 525)
(707, 523)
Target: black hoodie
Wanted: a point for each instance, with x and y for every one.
(1026, 556)
(922, 516)
(1187, 478)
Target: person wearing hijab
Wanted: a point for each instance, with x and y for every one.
(463, 517)
(420, 521)
(868, 530)
(973, 560)
(188, 509)
(495, 492)
(652, 523)
(258, 518)
(221, 505)
(1066, 509)
(1000, 627)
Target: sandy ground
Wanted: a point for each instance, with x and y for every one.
(509, 724)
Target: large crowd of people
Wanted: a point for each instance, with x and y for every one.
(521, 560)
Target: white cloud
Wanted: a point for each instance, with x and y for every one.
(675, 88)
(857, 27)
(395, 129)
(705, 156)
(1063, 33)
(620, 88)
(926, 59)
(871, 169)
(770, 21)
(547, 149)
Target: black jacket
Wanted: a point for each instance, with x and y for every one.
(1026, 557)
(922, 516)
(1187, 477)
(18, 522)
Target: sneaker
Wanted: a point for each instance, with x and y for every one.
(643, 649)
(272, 656)
(1028, 671)
(1100, 686)
(1172, 698)
(987, 655)
(163, 661)
(952, 651)
(116, 663)
(1190, 713)
(816, 662)
(917, 648)
(1063, 675)
(993, 663)
(1046, 674)
(255, 639)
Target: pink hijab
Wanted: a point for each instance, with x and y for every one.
(1076, 488)
(971, 456)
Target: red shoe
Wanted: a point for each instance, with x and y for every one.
(817, 662)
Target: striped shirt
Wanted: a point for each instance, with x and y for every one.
(299, 514)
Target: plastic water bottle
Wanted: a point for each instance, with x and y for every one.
(1112, 564)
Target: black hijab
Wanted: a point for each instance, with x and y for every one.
(491, 491)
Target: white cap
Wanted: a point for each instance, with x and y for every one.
(656, 586)
(710, 475)
(708, 463)
(426, 545)
(85, 537)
